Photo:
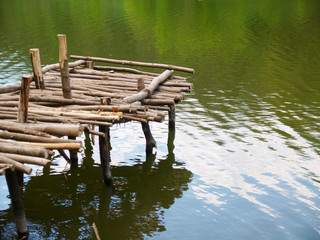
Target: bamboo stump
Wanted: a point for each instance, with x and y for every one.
(105, 156)
(150, 142)
(17, 204)
(36, 66)
(64, 68)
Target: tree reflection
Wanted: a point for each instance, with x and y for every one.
(66, 205)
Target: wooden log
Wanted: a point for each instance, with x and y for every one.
(149, 90)
(10, 88)
(27, 159)
(64, 69)
(51, 128)
(9, 127)
(36, 66)
(31, 138)
(105, 157)
(57, 66)
(158, 102)
(19, 166)
(24, 99)
(62, 101)
(17, 204)
(134, 63)
(71, 146)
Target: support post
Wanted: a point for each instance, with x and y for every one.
(105, 156)
(64, 68)
(17, 204)
(22, 116)
(150, 142)
(36, 66)
(24, 99)
(172, 116)
(73, 156)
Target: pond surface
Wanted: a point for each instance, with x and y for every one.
(243, 162)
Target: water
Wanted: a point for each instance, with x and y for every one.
(243, 162)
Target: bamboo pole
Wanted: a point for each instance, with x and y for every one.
(20, 149)
(17, 204)
(27, 159)
(19, 166)
(36, 66)
(30, 138)
(64, 69)
(71, 146)
(134, 63)
(24, 99)
(56, 129)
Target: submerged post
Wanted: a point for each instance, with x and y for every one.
(36, 66)
(172, 116)
(150, 142)
(105, 156)
(64, 68)
(17, 204)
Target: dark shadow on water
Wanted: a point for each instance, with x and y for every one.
(66, 205)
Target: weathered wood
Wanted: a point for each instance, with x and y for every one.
(105, 157)
(19, 166)
(64, 69)
(54, 66)
(73, 155)
(172, 116)
(27, 159)
(150, 142)
(141, 85)
(149, 90)
(10, 88)
(90, 64)
(36, 66)
(24, 99)
(51, 128)
(158, 102)
(17, 204)
(134, 63)
(26, 137)
(71, 146)
(9, 127)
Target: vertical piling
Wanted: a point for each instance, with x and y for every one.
(105, 156)
(24, 99)
(73, 156)
(172, 116)
(17, 204)
(64, 68)
(150, 142)
(36, 66)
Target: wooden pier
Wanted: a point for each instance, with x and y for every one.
(58, 102)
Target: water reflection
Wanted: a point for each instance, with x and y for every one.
(65, 205)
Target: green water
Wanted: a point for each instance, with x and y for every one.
(243, 162)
